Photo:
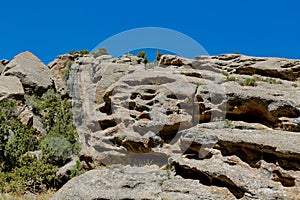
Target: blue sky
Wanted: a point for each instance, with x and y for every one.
(50, 28)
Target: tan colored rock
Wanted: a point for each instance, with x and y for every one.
(124, 182)
(26, 118)
(10, 88)
(60, 69)
(33, 74)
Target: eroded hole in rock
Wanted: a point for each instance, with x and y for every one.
(193, 74)
(105, 124)
(168, 132)
(147, 96)
(106, 109)
(253, 153)
(142, 108)
(251, 116)
(284, 179)
(172, 96)
(246, 154)
(199, 99)
(169, 112)
(270, 158)
(145, 116)
(134, 96)
(198, 155)
(209, 180)
(150, 91)
(131, 105)
(150, 103)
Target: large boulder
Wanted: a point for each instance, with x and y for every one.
(10, 88)
(33, 74)
(124, 182)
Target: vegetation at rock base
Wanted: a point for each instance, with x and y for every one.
(21, 168)
(77, 170)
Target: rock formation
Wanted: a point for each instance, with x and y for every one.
(214, 127)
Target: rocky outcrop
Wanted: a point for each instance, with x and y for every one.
(228, 124)
(33, 74)
(125, 182)
(286, 69)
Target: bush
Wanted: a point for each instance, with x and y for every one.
(33, 176)
(84, 52)
(57, 119)
(20, 172)
(158, 56)
(100, 52)
(270, 80)
(77, 170)
(230, 78)
(20, 169)
(249, 82)
(81, 52)
(73, 52)
(56, 149)
(143, 55)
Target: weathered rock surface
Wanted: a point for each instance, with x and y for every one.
(33, 74)
(26, 117)
(124, 182)
(10, 88)
(230, 122)
(286, 69)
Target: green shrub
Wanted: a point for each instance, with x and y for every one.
(84, 52)
(56, 149)
(22, 140)
(81, 52)
(225, 73)
(230, 78)
(100, 52)
(158, 56)
(143, 55)
(33, 176)
(77, 170)
(73, 52)
(295, 85)
(270, 80)
(228, 123)
(20, 172)
(249, 82)
(57, 119)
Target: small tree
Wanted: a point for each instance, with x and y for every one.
(143, 55)
(100, 52)
(158, 56)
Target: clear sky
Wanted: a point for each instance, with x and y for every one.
(50, 28)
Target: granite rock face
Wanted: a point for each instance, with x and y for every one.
(228, 126)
